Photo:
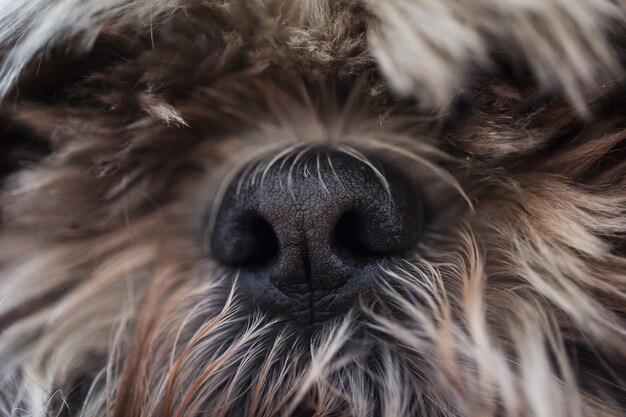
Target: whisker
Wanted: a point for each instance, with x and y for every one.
(284, 155)
(295, 161)
(350, 151)
(319, 174)
(446, 176)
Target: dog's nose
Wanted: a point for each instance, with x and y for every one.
(307, 234)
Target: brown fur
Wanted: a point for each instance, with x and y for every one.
(513, 305)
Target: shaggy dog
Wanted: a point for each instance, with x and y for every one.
(313, 208)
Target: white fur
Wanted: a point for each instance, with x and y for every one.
(30, 28)
(427, 47)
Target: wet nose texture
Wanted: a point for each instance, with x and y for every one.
(306, 236)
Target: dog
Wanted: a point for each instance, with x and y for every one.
(312, 208)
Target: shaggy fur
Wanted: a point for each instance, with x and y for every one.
(122, 122)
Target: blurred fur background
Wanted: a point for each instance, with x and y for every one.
(121, 119)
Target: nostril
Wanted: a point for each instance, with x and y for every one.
(348, 238)
(248, 240)
(264, 242)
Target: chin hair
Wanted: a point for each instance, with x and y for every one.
(124, 121)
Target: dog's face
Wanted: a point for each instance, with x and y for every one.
(288, 208)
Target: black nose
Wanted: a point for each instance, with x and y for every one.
(307, 233)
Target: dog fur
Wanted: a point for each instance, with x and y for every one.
(122, 121)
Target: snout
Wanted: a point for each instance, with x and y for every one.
(307, 234)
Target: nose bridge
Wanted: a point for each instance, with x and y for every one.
(303, 209)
